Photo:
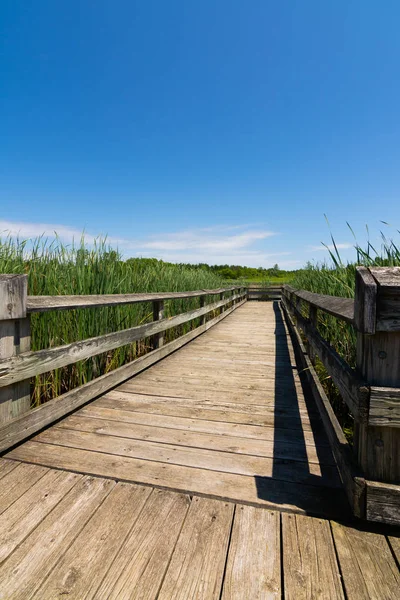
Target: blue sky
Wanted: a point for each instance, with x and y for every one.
(217, 131)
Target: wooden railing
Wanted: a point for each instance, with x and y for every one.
(18, 364)
(371, 391)
(264, 292)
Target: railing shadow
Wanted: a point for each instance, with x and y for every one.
(293, 479)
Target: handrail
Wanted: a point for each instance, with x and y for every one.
(47, 303)
(337, 306)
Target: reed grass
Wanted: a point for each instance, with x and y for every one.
(54, 268)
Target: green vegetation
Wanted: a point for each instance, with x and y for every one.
(338, 279)
(55, 269)
(249, 274)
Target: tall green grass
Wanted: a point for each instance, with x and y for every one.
(337, 278)
(54, 268)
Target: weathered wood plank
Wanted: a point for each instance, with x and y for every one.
(32, 507)
(227, 462)
(139, 567)
(225, 443)
(341, 308)
(366, 563)
(256, 491)
(310, 568)
(17, 482)
(81, 569)
(18, 429)
(383, 502)
(29, 364)
(14, 340)
(253, 567)
(127, 401)
(6, 466)
(29, 565)
(197, 565)
(388, 307)
(46, 303)
(365, 301)
(203, 426)
(384, 407)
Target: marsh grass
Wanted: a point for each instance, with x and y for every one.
(54, 268)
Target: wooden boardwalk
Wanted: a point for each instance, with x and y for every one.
(207, 476)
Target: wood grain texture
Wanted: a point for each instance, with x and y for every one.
(138, 569)
(309, 562)
(197, 565)
(253, 568)
(256, 491)
(367, 565)
(383, 502)
(31, 563)
(384, 408)
(46, 303)
(341, 308)
(81, 569)
(34, 505)
(17, 482)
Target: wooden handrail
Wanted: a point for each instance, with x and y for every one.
(47, 303)
(341, 308)
(30, 364)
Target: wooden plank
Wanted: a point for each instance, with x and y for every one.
(388, 307)
(29, 364)
(253, 567)
(383, 502)
(350, 473)
(225, 443)
(46, 303)
(25, 514)
(19, 429)
(394, 542)
(6, 466)
(366, 563)
(227, 462)
(365, 301)
(203, 426)
(384, 407)
(29, 565)
(17, 482)
(14, 340)
(265, 407)
(81, 569)
(256, 491)
(139, 567)
(127, 401)
(310, 569)
(341, 308)
(197, 565)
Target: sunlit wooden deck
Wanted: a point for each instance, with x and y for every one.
(207, 476)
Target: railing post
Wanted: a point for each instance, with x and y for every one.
(313, 318)
(15, 338)
(202, 304)
(221, 297)
(377, 320)
(158, 314)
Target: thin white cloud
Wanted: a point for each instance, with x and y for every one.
(343, 246)
(225, 244)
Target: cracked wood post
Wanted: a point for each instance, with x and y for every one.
(15, 338)
(157, 340)
(377, 321)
